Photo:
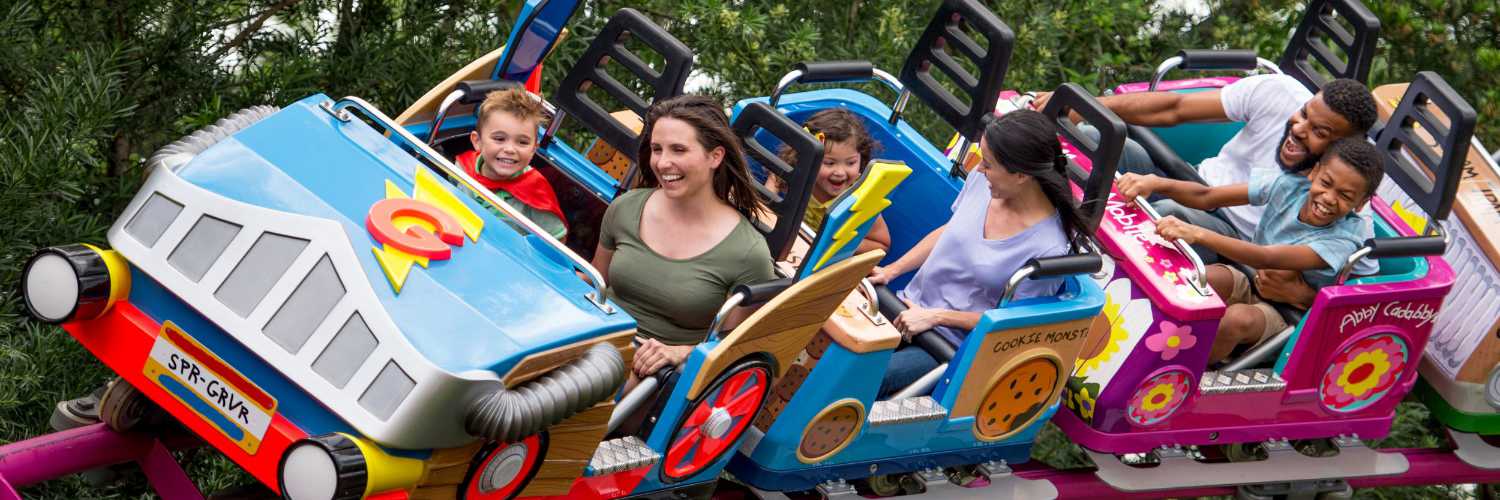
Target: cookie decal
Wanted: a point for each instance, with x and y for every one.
(1017, 398)
(833, 428)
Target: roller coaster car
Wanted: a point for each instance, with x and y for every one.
(1460, 381)
(264, 290)
(1143, 388)
(821, 426)
(677, 428)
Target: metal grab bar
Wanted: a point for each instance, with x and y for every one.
(1174, 61)
(340, 111)
(880, 75)
(729, 304)
(1201, 280)
(1015, 282)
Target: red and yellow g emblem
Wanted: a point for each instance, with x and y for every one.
(420, 228)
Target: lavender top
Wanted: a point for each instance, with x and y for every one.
(967, 272)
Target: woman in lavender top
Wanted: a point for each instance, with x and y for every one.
(1016, 205)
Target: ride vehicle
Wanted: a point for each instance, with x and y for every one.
(822, 429)
(328, 301)
(1460, 383)
(1290, 413)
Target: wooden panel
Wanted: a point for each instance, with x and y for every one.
(853, 330)
(570, 446)
(1001, 350)
(445, 471)
(783, 326)
(542, 362)
(424, 108)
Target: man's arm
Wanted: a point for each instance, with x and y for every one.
(1287, 257)
(1189, 194)
(1157, 109)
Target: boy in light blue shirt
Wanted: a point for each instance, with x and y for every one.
(1310, 225)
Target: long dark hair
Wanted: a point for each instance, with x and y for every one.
(1025, 142)
(731, 181)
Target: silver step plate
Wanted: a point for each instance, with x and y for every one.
(621, 454)
(905, 410)
(1256, 380)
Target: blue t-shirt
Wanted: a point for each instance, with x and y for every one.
(1283, 195)
(967, 272)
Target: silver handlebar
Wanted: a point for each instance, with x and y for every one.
(880, 75)
(1175, 61)
(341, 111)
(1201, 280)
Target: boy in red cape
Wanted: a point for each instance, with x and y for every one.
(504, 141)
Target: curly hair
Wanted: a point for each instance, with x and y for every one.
(514, 101)
(1353, 101)
(1363, 157)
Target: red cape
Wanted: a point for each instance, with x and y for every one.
(530, 187)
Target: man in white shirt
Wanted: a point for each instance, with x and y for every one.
(1286, 128)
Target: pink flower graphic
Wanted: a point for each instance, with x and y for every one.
(1171, 339)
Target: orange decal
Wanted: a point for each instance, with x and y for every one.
(416, 239)
(420, 228)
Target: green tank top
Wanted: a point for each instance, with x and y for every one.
(674, 300)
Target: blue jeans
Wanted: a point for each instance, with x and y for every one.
(908, 363)
(1200, 218)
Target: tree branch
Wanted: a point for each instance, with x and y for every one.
(250, 29)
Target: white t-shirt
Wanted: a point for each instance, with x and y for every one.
(1263, 103)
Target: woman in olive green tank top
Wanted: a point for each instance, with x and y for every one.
(672, 248)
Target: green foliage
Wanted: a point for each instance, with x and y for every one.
(90, 88)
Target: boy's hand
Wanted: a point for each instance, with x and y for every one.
(1172, 228)
(1132, 186)
(1286, 287)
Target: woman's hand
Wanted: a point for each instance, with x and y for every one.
(917, 320)
(881, 275)
(653, 355)
(1172, 228)
(1132, 186)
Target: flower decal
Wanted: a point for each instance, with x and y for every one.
(1171, 339)
(1363, 372)
(1081, 397)
(1158, 397)
(1128, 319)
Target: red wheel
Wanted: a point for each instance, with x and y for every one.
(716, 420)
(501, 469)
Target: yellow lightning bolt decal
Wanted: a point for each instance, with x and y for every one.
(869, 200)
(397, 264)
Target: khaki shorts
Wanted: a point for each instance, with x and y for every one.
(1241, 294)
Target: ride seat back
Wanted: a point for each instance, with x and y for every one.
(1009, 371)
(591, 71)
